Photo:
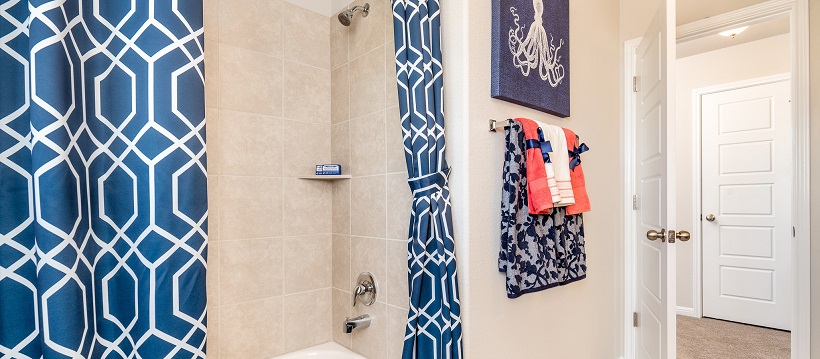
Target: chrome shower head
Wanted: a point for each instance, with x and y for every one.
(345, 17)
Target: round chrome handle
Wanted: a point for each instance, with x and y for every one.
(710, 217)
(653, 235)
(366, 289)
(683, 236)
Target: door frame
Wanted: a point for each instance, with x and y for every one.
(628, 201)
(697, 181)
(798, 12)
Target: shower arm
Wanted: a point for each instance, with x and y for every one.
(365, 9)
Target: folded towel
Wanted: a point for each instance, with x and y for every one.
(546, 146)
(539, 196)
(579, 188)
(560, 162)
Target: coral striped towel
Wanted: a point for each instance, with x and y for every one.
(560, 161)
(538, 192)
(579, 188)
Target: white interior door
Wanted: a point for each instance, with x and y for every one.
(655, 303)
(747, 189)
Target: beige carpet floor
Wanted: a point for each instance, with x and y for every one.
(716, 339)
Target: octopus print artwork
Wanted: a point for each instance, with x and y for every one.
(530, 63)
(536, 51)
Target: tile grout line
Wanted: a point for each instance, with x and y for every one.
(279, 296)
(283, 337)
(218, 105)
(282, 189)
(275, 237)
(349, 151)
(295, 62)
(271, 117)
(283, 57)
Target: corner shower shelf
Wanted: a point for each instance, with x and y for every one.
(326, 177)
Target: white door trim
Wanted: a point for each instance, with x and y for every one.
(628, 149)
(697, 230)
(801, 252)
(746, 16)
(798, 12)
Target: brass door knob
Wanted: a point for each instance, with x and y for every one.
(683, 236)
(653, 235)
(710, 217)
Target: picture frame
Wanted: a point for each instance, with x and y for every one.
(530, 54)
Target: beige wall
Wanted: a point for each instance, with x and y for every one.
(737, 63)
(269, 270)
(814, 8)
(580, 320)
(371, 212)
(635, 16)
(569, 322)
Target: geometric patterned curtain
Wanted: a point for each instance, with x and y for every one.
(434, 319)
(103, 201)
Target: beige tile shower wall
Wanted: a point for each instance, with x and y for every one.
(371, 212)
(269, 114)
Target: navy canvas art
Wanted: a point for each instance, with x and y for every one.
(531, 54)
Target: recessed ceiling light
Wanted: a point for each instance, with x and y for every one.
(733, 32)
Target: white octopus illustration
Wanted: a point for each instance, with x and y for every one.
(536, 51)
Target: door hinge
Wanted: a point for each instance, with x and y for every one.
(635, 319)
(634, 202)
(794, 232)
(635, 84)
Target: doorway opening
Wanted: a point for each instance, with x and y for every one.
(739, 285)
(734, 185)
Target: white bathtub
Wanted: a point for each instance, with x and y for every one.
(323, 351)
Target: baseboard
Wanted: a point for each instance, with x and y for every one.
(689, 312)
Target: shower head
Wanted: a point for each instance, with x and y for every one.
(345, 17)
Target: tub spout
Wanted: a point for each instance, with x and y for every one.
(362, 321)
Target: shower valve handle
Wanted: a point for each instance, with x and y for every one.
(365, 290)
(361, 289)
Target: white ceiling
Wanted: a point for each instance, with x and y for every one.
(324, 7)
(692, 10)
(687, 10)
(774, 27)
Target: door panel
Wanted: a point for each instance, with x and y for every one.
(746, 174)
(651, 280)
(748, 241)
(733, 158)
(650, 129)
(651, 190)
(656, 267)
(747, 115)
(746, 283)
(652, 327)
(747, 200)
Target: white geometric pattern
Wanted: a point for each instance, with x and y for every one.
(103, 233)
(434, 323)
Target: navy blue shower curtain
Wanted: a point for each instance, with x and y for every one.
(434, 320)
(103, 200)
